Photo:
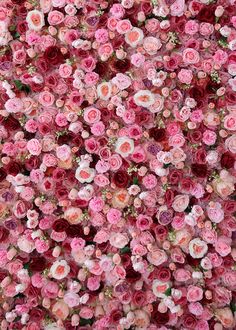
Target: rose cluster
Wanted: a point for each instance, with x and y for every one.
(118, 164)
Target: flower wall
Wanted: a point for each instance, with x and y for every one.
(117, 168)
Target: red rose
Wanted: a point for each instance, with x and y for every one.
(175, 176)
(160, 232)
(11, 123)
(32, 163)
(131, 275)
(74, 231)
(3, 174)
(195, 136)
(60, 225)
(139, 298)
(186, 185)
(4, 233)
(36, 314)
(159, 318)
(164, 275)
(53, 55)
(206, 14)
(58, 174)
(61, 193)
(199, 170)
(115, 316)
(37, 264)
(121, 179)
(227, 160)
(169, 197)
(13, 168)
(22, 27)
(158, 134)
(229, 206)
(44, 128)
(189, 321)
(42, 65)
(200, 156)
(121, 65)
(146, 7)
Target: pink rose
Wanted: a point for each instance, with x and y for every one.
(194, 293)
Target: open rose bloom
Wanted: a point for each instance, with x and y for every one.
(117, 164)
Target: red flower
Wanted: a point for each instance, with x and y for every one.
(199, 170)
(227, 160)
(4, 233)
(121, 179)
(158, 134)
(53, 55)
(60, 225)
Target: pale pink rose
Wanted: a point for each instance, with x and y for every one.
(209, 137)
(105, 51)
(114, 216)
(123, 26)
(115, 162)
(59, 269)
(63, 152)
(151, 45)
(19, 57)
(159, 288)
(206, 29)
(197, 248)
(195, 308)
(117, 10)
(93, 283)
(55, 17)
(60, 309)
(177, 8)
(122, 81)
(14, 105)
(191, 27)
(180, 203)
(215, 212)
(92, 115)
(144, 98)
(134, 37)
(182, 275)
(137, 59)
(46, 98)
(157, 257)
(65, 70)
(101, 180)
(34, 147)
(101, 36)
(118, 240)
(124, 146)
(220, 57)
(194, 293)
(222, 247)
(185, 76)
(226, 317)
(71, 299)
(143, 222)
(98, 128)
(230, 121)
(86, 313)
(190, 56)
(85, 174)
(35, 20)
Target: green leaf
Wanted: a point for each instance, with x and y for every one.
(233, 306)
(135, 180)
(83, 322)
(168, 292)
(16, 35)
(125, 249)
(22, 87)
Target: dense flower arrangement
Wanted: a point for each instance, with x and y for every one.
(117, 174)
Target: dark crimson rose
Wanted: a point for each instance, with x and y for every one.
(106, 115)
(121, 179)
(42, 65)
(158, 134)
(52, 80)
(229, 206)
(199, 170)
(3, 274)
(74, 231)
(44, 128)
(169, 196)
(186, 185)
(125, 259)
(103, 20)
(195, 136)
(53, 55)
(163, 274)
(37, 264)
(22, 27)
(121, 65)
(11, 123)
(146, 7)
(143, 117)
(4, 233)
(101, 68)
(61, 193)
(33, 291)
(160, 232)
(36, 314)
(227, 160)
(81, 203)
(139, 298)
(230, 97)
(13, 168)
(3, 174)
(32, 163)
(197, 93)
(189, 321)
(115, 316)
(206, 14)
(58, 174)
(175, 176)
(159, 318)
(103, 246)
(131, 275)
(36, 87)
(60, 225)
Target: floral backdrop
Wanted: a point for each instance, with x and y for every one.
(117, 168)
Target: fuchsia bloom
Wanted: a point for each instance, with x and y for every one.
(118, 164)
